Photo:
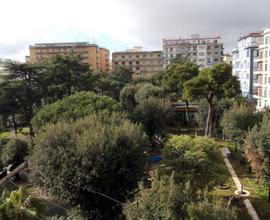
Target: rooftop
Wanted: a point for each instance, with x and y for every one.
(254, 34)
(65, 44)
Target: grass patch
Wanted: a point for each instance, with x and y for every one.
(259, 192)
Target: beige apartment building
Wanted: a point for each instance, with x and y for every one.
(142, 63)
(93, 55)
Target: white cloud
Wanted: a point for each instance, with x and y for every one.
(33, 21)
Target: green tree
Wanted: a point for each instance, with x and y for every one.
(122, 74)
(154, 114)
(216, 82)
(237, 121)
(257, 150)
(214, 209)
(20, 206)
(127, 97)
(174, 78)
(74, 160)
(165, 200)
(196, 160)
(23, 91)
(148, 90)
(14, 151)
(74, 107)
(65, 74)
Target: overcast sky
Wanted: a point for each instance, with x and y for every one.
(121, 24)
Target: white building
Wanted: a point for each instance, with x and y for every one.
(262, 72)
(203, 51)
(243, 62)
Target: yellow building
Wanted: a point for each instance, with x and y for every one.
(142, 63)
(96, 57)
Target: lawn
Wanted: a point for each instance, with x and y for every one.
(258, 192)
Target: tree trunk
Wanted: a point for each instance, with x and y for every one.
(14, 124)
(187, 114)
(208, 127)
(31, 131)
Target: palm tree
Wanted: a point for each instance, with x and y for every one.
(17, 205)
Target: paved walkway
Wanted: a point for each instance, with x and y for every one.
(251, 211)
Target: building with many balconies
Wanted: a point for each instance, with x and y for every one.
(142, 63)
(204, 51)
(243, 62)
(262, 72)
(96, 57)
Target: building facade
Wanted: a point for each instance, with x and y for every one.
(227, 58)
(203, 51)
(262, 72)
(243, 62)
(142, 63)
(98, 58)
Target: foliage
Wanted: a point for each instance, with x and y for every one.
(127, 97)
(165, 200)
(237, 121)
(21, 91)
(257, 148)
(147, 90)
(111, 84)
(73, 214)
(176, 75)
(65, 74)
(20, 206)
(154, 114)
(122, 74)
(196, 160)
(215, 82)
(214, 209)
(74, 107)
(103, 152)
(14, 151)
(157, 79)
(219, 107)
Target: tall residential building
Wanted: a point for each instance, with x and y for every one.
(203, 51)
(142, 63)
(262, 72)
(95, 56)
(243, 62)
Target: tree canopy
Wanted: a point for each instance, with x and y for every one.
(102, 153)
(74, 107)
(215, 82)
(196, 160)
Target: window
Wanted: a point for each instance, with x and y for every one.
(130, 62)
(137, 62)
(266, 40)
(216, 46)
(171, 49)
(266, 54)
(265, 67)
(123, 63)
(123, 57)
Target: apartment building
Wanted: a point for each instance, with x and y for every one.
(93, 55)
(262, 72)
(227, 58)
(243, 62)
(204, 51)
(142, 63)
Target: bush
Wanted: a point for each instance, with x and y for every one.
(102, 152)
(14, 152)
